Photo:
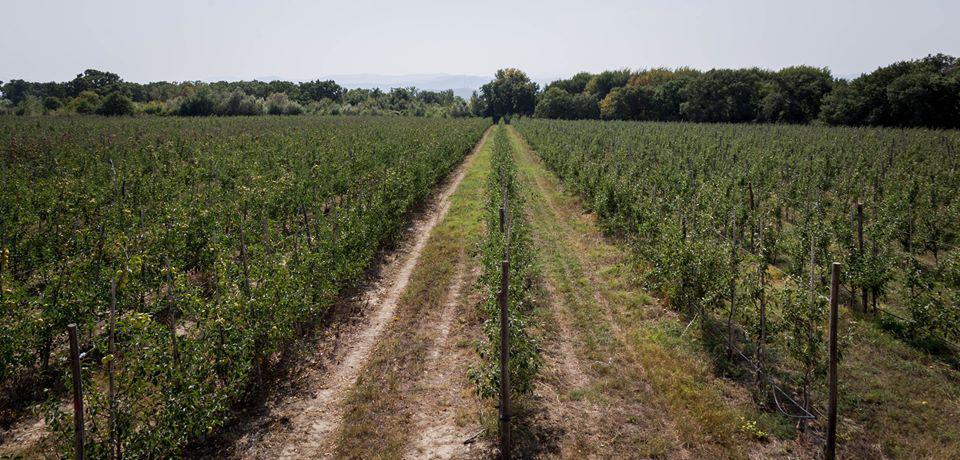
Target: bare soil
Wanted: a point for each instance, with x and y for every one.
(445, 422)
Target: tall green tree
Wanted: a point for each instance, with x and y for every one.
(573, 85)
(94, 80)
(794, 94)
(510, 93)
(604, 82)
(317, 90)
(724, 95)
(628, 103)
(922, 92)
(557, 103)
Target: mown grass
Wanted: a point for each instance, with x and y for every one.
(895, 401)
(638, 354)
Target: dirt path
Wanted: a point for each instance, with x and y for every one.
(307, 421)
(414, 398)
(440, 396)
(27, 432)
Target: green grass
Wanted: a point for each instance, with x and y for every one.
(895, 401)
(636, 357)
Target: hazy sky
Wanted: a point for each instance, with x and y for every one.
(220, 39)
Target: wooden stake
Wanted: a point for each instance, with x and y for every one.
(505, 446)
(753, 247)
(306, 223)
(813, 303)
(173, 321)
(830, 453)
(77, 391)
(111, 387)
(243, 254)
(860, 246)
(733, 286)
(763, 323)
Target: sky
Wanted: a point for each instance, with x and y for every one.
(175, 40)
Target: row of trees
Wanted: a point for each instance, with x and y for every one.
(918, 93)
(90, 91)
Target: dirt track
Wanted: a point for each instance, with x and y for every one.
(303, 425)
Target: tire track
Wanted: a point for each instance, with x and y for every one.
(312, 420)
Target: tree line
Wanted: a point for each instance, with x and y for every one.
(918, 93)
(105, 93)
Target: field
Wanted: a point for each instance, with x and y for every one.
(305, 286)
(736, 227)
(223, 239)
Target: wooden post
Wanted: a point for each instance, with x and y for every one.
(77, 390)
(860, 246)
(753, 247)
(504, 360)
(830, 452)
(111, 387)
(813, 302)
(173, 321)
(143, 264)
(243, 253)
(306, 223)
(3, 258)
(503, 200)
(265, 231)
(763, 323)
(733, 286)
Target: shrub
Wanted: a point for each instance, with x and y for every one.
(30, 106)
(51, 104)
(240, 103)
(86, 102)
(199, 104)
(152, 108)
(324, 107)
(115, 104)
(280, 104)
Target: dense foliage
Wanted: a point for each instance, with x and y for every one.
(923, 92)
(510, 93)
(514, 245)
(742, 222)
(83, 95)
(225, 238)
(557, 103)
